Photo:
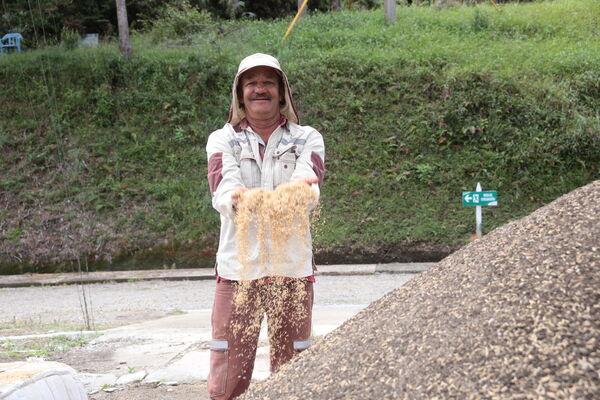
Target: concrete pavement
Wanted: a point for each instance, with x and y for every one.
(176, 348)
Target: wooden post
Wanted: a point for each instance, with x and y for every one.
(299, 6)
(124, 43)
(390, 11)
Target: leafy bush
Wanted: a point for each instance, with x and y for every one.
(179, 21)
(480, 21)
(69, 39)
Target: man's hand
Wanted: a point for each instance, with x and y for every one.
(235, 197)
(309, 180)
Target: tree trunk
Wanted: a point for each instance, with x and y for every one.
(390, 10)
(124, 44)
(336, 5)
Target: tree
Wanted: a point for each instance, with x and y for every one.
(124, 43)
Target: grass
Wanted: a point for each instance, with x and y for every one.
(520, 39)
(111, 153)
(46, 348)
(38, 325)
(32, 326)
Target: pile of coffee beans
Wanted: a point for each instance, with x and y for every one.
(514, 315)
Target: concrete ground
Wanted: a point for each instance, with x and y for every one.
(172, 350)
(156, 344)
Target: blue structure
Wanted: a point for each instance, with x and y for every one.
(11, 42)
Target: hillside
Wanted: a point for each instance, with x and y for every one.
(103, 159)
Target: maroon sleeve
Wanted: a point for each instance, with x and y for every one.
(318, 166)
(215, 168)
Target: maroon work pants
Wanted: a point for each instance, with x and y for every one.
(238, 310)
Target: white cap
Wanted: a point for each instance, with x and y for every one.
(236, 111)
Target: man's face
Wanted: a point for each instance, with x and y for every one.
(260, 92)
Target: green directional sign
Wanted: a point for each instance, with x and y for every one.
(485, 198)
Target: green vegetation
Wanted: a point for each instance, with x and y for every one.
(43, 22)
(41, 325)
(14, 350)
(103, 157)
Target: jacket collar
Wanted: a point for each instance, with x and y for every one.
(244, 124)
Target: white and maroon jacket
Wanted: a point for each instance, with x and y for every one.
(234, 160)
(292, 152)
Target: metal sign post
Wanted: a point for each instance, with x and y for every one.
(478, 216)
(479, 198)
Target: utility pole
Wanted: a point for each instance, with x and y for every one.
(124, 44)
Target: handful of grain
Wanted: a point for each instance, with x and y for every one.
(272, 218)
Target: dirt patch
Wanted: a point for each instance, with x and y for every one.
(202, 255)
(95, 358)
(151, 392)
(384, 253)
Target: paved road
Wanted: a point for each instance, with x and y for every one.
(163, 327)
(38, 309)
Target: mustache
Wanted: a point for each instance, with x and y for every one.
(261, 97)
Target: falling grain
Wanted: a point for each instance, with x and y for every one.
(277, 223)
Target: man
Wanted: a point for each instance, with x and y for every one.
(262, 145)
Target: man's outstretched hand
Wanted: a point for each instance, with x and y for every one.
(235, 196)
(309, 180)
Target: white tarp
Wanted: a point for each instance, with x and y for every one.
(39, 380)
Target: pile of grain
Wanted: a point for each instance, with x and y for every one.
(514, 315)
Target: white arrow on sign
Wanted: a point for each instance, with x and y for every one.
(468, 198)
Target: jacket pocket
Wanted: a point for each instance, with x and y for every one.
(284, 167)
(219, 363)
(249, 170)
